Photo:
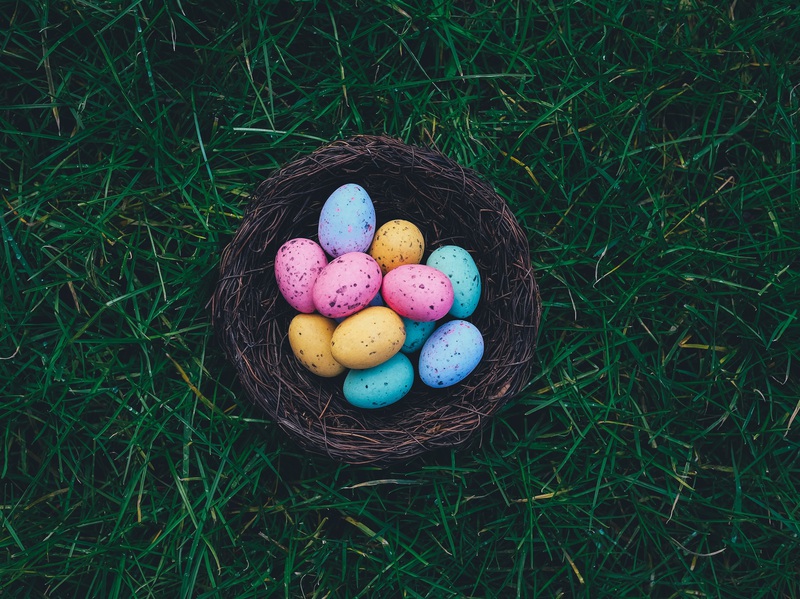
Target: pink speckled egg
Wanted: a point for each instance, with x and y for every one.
(418, 292)
(297, 266)
(347, 284)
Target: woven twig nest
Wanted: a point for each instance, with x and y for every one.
(451, 205)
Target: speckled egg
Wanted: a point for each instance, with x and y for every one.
(460, 268)
(417, 334)
(310, 339)
(368, 338)
(418, 292)
(297, 266)
(347, 221)
(450, 354)
(381, 385)
(396, 243)
(346, 285)
(376, 301)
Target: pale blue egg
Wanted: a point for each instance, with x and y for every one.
(381, 385)
(347, 221)
(450, 354)
(460, 268)
(417, 334)
(377, 300)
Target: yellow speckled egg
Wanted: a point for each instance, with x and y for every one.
(396, 243)
(310, 338)
(368, 338)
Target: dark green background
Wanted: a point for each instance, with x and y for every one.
(648, 147)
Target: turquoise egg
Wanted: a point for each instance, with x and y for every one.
(417, 334)
(450, 354)
(460, 268)
(381, 385)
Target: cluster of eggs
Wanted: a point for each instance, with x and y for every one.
(375, 303)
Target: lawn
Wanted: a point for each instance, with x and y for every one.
(649, 150)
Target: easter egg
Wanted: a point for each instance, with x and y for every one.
(346, 285)
(396, 243)
(418, 292)
(377, 300)
(460, 268)
(368, 338)
(450, 354)
(380, 385)
(310, 340)
(297, 266)
(417, 334)
(347, 221)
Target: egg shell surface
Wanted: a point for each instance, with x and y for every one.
(418, 292)
(417, 334)
(346, 285)
(297, 266)
(450, 354)
(381, 385)
(368, 338)
(376, 301)
(397, 242)
(347, 221)
(460, 268)
(310, 339)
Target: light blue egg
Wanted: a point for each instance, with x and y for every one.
(347, 221)
(460, 268)
(377, 300)
(450, 354)
(381, 385)
(417, 334)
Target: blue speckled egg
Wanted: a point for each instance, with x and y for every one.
(450, 354)
(417, 334)
(377, 300)
(347, 221)
(460, 268)
(380, 385)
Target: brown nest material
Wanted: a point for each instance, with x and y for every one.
(451, 205)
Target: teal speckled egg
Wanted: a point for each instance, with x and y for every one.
(460, 268)
(380, 385)
(417, 334)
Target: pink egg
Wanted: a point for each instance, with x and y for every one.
(347, 284)
(297, 266)
(418, 292)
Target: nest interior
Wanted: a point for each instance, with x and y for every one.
(451, 205)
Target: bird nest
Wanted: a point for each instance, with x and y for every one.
(451, 205)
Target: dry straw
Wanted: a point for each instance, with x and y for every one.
(451, 205)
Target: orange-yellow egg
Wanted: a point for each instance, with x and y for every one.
(396, 243)
(368, 338)
(310, 339)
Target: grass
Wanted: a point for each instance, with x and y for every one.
(650, 150)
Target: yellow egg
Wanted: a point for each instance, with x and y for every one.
(396, 243)
(368, 338)
(310, 338)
